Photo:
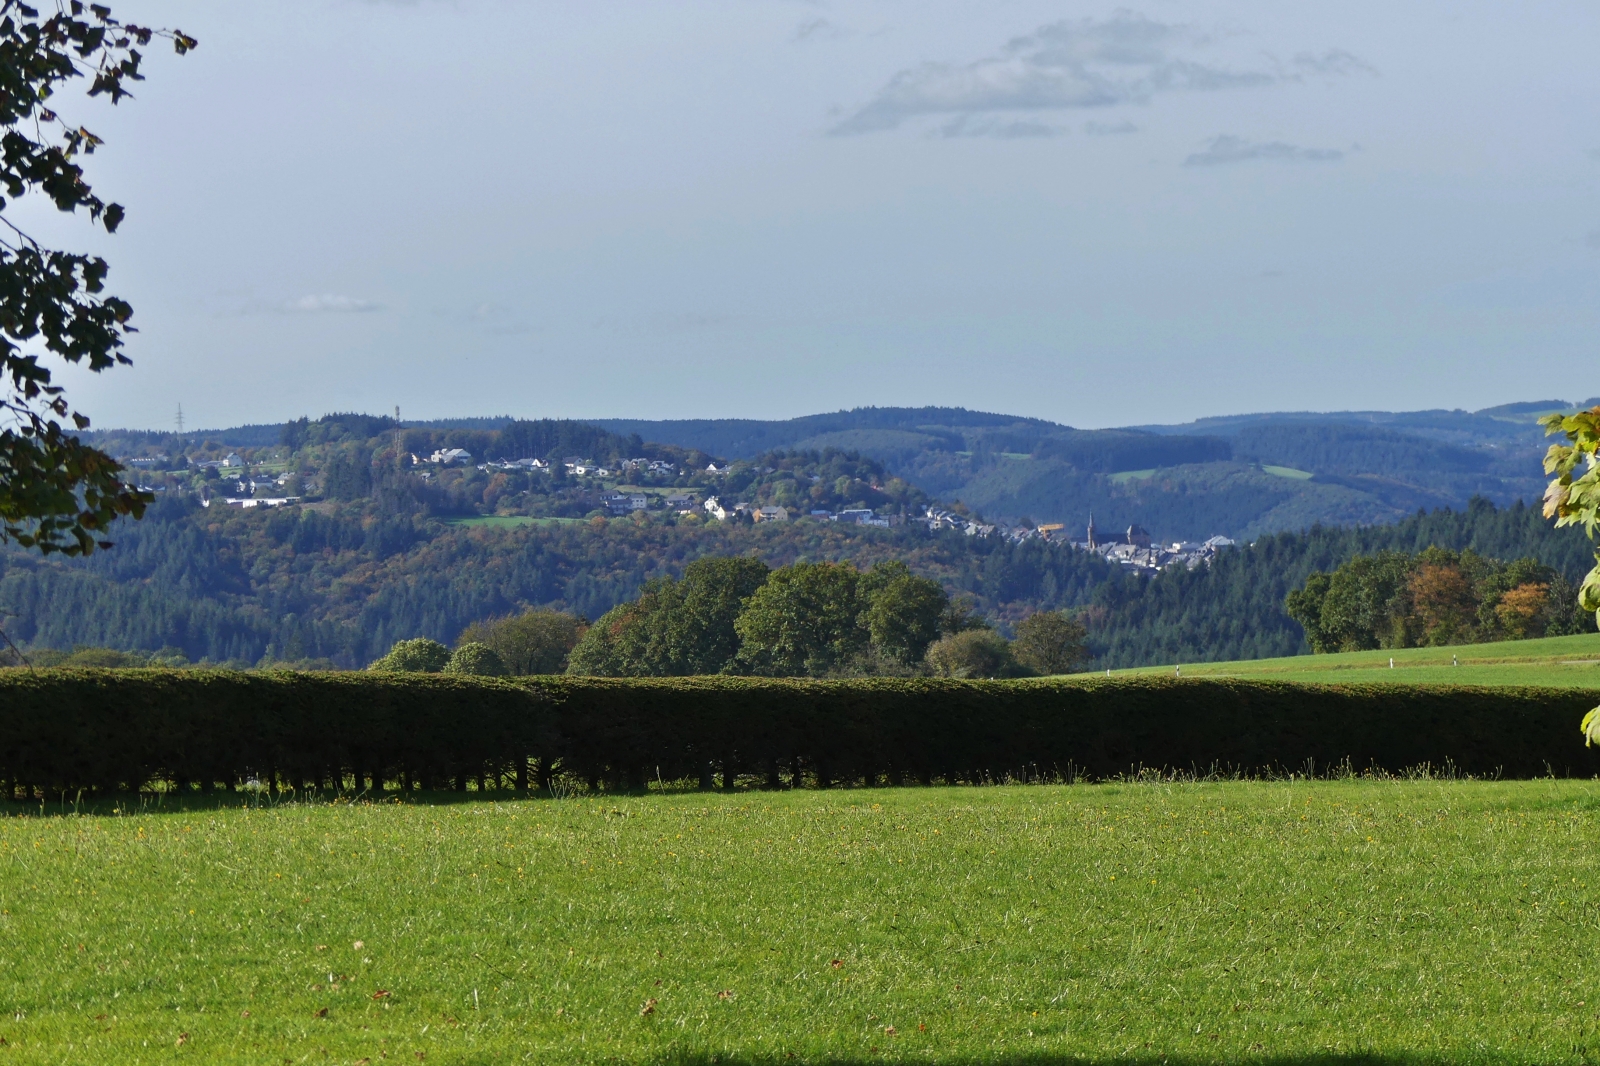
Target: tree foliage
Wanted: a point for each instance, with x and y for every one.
(1050, 642)
(475, 660)
(676, 628)
(974, 654)
(533, 642)
(1573, 499)
(735, 616)
(58, 494)
(804, 621)
(418, 655)
(1393, 599)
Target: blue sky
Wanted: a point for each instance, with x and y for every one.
(1096, 214)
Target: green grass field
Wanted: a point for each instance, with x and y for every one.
(1568, 662)
(1293, 922)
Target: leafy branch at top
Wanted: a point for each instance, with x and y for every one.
(57, 493)
(1573, 498)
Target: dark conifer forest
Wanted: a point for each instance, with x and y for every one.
(341, 583)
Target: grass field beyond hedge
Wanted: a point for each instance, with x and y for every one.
(1565, 662)
(1358, 921)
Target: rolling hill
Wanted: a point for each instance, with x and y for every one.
(1242, 475)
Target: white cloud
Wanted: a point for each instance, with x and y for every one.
(1086, 63)
(1230, 149)
(330, 303)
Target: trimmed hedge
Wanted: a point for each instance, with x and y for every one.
(66, 730)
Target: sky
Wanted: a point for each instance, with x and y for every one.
(1095, 214)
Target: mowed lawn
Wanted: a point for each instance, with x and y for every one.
(1566, 662)
(1354, 921)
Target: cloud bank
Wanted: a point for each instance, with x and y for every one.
(1085, 63)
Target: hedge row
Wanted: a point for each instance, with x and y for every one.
(69, 730)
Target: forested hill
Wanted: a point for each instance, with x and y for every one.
(343, 581)
(1235, 609)
(1241, 476)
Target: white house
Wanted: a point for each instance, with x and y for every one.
(448, 456)
(715, 509)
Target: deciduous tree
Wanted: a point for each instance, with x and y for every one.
(804, 620)
(420, 655)
(58, 494)
(973, 653)
(534, 642)
(1573, 499)
(1050, 642)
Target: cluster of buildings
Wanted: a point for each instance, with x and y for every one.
(1133, 549)
(619, 503)
(1136, 550)
(575, 465)
(856, 516)
(714, 507)
(936, 518)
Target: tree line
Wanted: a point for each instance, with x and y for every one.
(737, 616)
(1396, 599)
(338, 585)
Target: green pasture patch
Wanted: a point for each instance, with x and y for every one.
(1276, 922)
(1568, 662)
(1133, 475)
(1289, 472)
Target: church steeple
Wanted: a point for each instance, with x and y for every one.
(1091, 531)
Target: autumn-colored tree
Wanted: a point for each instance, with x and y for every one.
(1521, 610)
(1443, 601)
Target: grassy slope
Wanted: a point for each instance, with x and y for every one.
(1284, 922)
(1563, 661)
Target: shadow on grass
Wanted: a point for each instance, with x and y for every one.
(109, 804)
(1144, 1058)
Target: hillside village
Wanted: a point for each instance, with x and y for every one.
(640, 487)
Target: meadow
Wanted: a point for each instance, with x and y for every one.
(1354, 921)
(1567, 662)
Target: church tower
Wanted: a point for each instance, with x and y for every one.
(1092, 544)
